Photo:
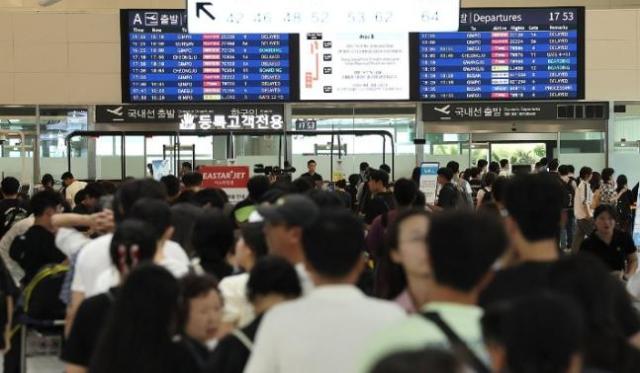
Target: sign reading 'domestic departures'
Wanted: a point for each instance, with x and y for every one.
(299, 16)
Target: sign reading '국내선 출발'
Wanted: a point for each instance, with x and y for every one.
(299, 16)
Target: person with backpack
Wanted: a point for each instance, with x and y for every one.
(608, 195)
(12, 208)
(37, 246)
(568, 195)
(463, 185)
(449, 196)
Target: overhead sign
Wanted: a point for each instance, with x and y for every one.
(505, 54)
(299, 16)
(463, 112)
(348, 66)
(232, 179)
(429, 181)
(306, 125)
(194, 117)
(161, 62)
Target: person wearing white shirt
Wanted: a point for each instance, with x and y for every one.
(284, 222)
(71, 187)
(251, 246)
(18, 229)
(322, 331)
(158, 215)
(94, 257)
(582, 209)
(505, 170)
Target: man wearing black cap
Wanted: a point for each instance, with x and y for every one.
(284, 223)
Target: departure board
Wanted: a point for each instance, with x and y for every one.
(504, 54)
(164, 63)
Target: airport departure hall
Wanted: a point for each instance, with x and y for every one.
(302, 186)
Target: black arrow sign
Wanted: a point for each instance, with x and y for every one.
(202, 7)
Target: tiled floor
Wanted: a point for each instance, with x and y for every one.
(44, 364)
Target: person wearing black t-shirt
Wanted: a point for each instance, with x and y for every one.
(138, 335)
(12, 208)
(382, 200)
(271, 281)
(37, 246)
(312, 175)
(613, 246)
(93, 312)
(534, 206)
(449, 194)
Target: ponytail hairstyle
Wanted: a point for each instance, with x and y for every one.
(133, 243)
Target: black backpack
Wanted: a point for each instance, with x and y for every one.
(41, 299)
(567, 194)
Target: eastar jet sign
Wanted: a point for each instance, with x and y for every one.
(299, 16)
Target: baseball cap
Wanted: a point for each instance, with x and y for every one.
(293, 210)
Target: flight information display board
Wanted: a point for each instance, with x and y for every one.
(504, 54)
(161, 62)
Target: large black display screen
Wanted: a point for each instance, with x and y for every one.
(164, 63)
(504, 54)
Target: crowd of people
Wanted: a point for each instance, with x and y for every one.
(501, 273)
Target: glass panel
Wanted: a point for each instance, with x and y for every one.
(108, 161)
(518, 153)
(134, 157)
(624, 142)
(16, 155)
(582, 149)
(445, 147)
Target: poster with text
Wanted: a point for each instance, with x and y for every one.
(232, 179)
(429, 181)
(353, 66)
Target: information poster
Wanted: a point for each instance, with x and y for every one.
(161, 168)
(636, 225)
(352, 66)
(232, 179)
(429, 181)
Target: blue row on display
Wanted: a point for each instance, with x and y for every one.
(498, 54)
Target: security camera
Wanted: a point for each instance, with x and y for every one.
(48, 2)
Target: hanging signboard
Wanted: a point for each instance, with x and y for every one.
(429, 180)
(298, 16)
(508, 111)
(195, 117)
(232, 179)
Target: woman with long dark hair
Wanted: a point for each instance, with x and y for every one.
(403, 273)
(624, 202)
(138, 336)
